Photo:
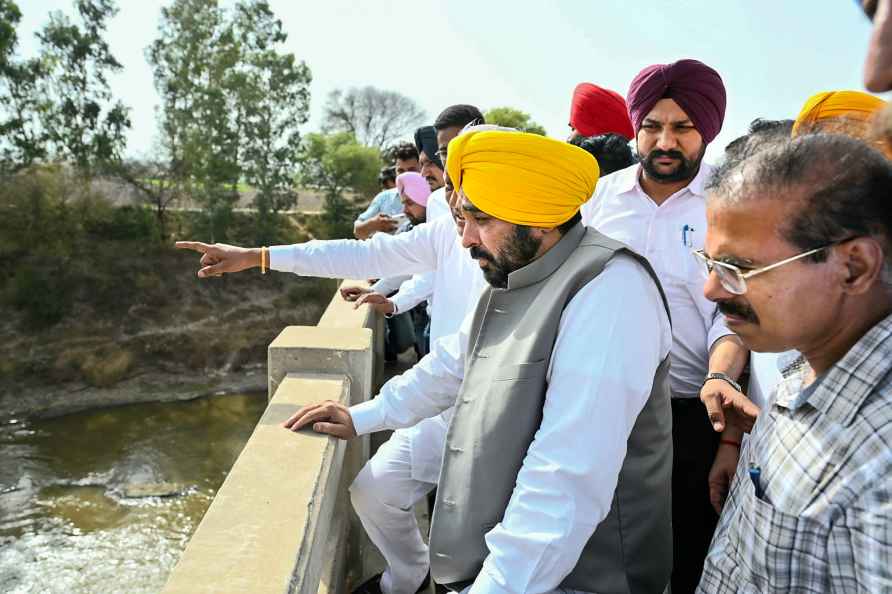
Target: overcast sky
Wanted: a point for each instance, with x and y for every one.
(772, 55)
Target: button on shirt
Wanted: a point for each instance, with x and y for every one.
(666, 235)
(824, 520)
(591, 404)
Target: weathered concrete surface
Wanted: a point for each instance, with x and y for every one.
(314, 349)
(267, 529)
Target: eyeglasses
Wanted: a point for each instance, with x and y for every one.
(733, 279)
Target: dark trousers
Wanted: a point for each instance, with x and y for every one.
(693, 518)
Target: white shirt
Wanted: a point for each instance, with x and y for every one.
(666, 235)
(421, 286)
(599, 378)
(765, 374)
(433, 246)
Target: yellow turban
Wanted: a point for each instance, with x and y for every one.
(848, 105)
(525, 179)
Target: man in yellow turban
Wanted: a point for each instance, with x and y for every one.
(559, 378)
(848, 112)
(525, 181)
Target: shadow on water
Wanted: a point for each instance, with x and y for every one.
(105, 501)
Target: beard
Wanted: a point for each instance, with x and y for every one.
(433, 182)
(741, 310)
(519, 250)
(684, 171)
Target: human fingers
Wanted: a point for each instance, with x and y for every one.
(213, 270)
(713, 401)
(368, 298)
(352, 293)
(304, 415)
(335, 429)
(195, 246)
(747, 408)
(208, 259)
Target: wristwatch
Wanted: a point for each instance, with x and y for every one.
(724, 377)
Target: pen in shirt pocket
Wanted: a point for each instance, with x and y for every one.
(756, 477)
(687, 236)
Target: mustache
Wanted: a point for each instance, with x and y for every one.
(478, 252)
(673, 154)
(732, 308)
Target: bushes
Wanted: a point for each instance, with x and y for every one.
(42, 294)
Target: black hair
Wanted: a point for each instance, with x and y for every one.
(761, 131)
(387, 174)
(404, 151)
(565, 227)
(458, 116)
(845, 188)
(612, 151)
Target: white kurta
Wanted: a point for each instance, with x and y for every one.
(666, 235)
(431, 248)
(612, 337)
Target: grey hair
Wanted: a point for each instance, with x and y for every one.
(844, 186)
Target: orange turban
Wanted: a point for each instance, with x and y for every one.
(829, 105)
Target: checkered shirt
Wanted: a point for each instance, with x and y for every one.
(824, 521)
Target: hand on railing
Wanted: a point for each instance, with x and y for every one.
(353, 293)
(377, 301)
(329, 417)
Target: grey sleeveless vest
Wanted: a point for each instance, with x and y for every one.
(499, 409)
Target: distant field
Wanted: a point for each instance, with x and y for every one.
(308, 200)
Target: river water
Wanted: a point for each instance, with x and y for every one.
(105, 501)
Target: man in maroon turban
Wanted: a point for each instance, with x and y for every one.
(595, 111)
(658, 208)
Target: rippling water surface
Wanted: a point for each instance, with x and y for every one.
(105, 501)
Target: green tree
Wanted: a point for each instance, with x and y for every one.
(373, 116)
(335, 164)
(59, 104)
(84, 125)
(513, 118)
(193, 62)
(273, 97)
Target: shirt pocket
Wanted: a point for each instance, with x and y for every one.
(779, 551)
(531, 370)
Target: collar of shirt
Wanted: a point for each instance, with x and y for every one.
(629, 180)
(841, 391)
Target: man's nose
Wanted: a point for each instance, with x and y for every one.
(469, 235)
(714, 290)
(666, 140)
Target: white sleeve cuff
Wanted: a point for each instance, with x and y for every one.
(281, 258)
(367, 416)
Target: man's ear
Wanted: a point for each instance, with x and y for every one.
(863, 259)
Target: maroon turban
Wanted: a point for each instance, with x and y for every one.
(697, 88)
(595, 110)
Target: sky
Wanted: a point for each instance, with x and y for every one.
(530, 55)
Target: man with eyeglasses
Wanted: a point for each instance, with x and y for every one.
(798, 252)
(658, 208)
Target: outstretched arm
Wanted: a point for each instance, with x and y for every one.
(382, 256)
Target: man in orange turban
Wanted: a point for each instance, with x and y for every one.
(838, 111)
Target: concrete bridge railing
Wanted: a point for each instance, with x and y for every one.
(282, 522)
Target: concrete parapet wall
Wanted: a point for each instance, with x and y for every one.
(282, 521)
(266, 530)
